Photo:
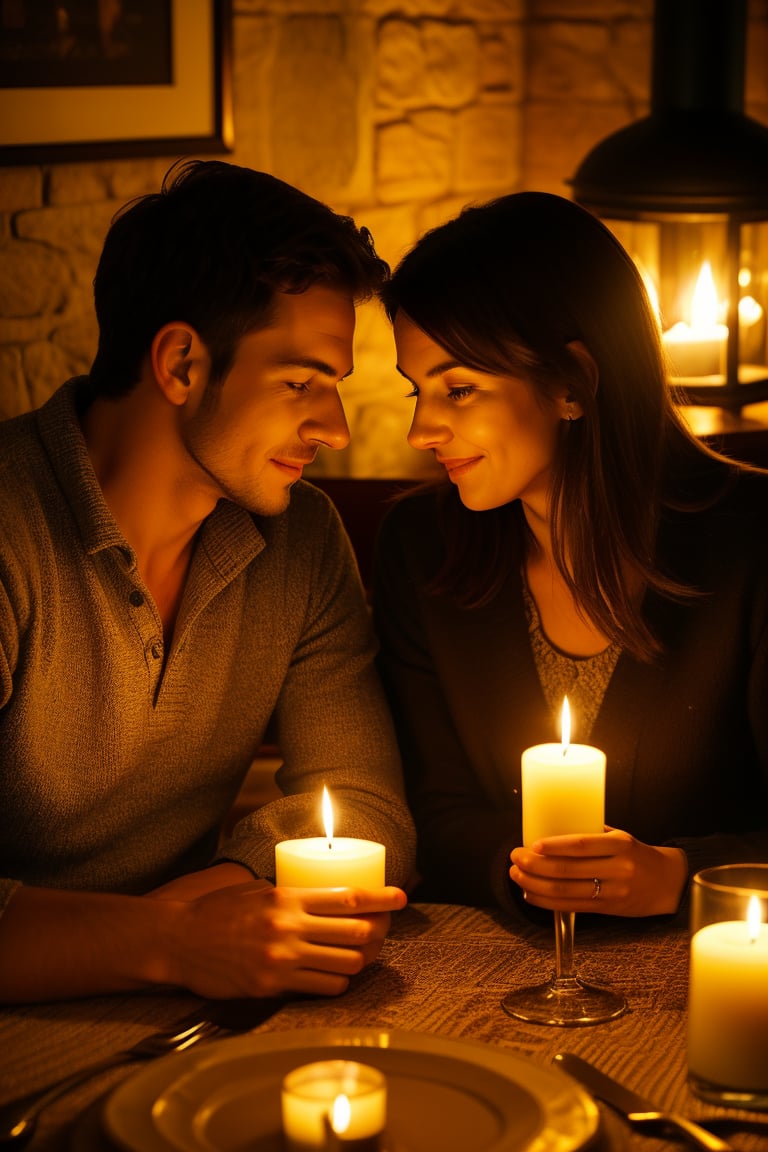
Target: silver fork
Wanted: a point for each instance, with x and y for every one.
(18, 1118)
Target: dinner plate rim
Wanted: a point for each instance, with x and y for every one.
(128, 1111)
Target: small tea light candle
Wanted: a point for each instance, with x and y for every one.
(563, 787)
(340, 1103)
(328, 861)
(728, 1003)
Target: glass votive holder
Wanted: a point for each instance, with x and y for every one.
(334, 1105)
(728, 989)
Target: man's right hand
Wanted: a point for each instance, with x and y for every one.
(254, 941)
(246, 939)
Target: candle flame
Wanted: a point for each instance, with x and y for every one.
(704, 305)
(565, 725)
(754, 918)
(327, 816)
(340, 1114)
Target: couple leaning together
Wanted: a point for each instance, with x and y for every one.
(169, 586)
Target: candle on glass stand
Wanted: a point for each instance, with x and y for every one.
(329, 861)
(563, 791)
(728, 1006)
(563, 787)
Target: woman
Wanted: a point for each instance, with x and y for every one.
(585, 544)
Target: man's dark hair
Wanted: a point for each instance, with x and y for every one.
(211, 249)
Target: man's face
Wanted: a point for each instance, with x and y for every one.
(253, 433)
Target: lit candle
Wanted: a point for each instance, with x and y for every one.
(698, 348)
(563, 787)
(728, 1003)
(340, 1097)
(329, 861)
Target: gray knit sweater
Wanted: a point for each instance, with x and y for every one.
(118, 762)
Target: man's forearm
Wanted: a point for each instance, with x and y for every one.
(196, 884)
(58, 944)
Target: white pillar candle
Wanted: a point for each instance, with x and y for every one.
(563, 787)
(728, 1004)
(329, 861)
(341, 863)
(311, 1097)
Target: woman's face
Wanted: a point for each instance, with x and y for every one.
(495, 435)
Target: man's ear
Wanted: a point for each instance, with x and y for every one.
(572, 409)
(175, 356)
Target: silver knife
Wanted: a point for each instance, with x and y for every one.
(635, 1108)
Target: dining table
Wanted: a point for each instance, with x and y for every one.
(440, 978)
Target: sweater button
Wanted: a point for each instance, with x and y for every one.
(136, 598)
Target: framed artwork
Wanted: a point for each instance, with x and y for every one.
(106, 79)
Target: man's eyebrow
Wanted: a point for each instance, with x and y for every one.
(320, 366)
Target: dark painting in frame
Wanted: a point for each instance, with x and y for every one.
(188, 112)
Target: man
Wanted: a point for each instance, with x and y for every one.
(160, 602)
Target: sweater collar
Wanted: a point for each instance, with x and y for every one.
(231, 536)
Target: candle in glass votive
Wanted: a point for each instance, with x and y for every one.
(329, 861)
(563, 787)
(340, 1099)
(728, 1005)
(699, 348)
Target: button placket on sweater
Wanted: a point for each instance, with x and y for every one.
(152, 639)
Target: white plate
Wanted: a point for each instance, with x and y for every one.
(451, 1095)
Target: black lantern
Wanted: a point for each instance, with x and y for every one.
(686, 192)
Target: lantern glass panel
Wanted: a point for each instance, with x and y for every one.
(707, 279)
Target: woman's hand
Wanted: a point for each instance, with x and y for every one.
(610, 872)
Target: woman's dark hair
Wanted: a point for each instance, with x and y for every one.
(211, 249)
(505, 288)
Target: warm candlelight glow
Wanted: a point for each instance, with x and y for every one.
(704, 305)
(754, 918)
(565, 725)
(728, 994)
(327, 816)
(750, 311)
(563, 786)
(333, 1097)
(340, 1115)
(698, 348)
(328, 861)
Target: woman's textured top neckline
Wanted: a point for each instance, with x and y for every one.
(583, 679)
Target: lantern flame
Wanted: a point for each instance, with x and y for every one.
(565, 725)
(340, 1114)
(327, 816)
(704, 305)
(754, 918)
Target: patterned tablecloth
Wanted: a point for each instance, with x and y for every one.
(444, 970)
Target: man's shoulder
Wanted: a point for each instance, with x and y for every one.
(307, 521)
(21, 455)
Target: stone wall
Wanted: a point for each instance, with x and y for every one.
(396, 111)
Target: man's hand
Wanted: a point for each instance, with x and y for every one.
(255, 941)
(238, 939)
(635, 879)
(196, 884)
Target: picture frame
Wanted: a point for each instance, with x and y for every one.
(55, 123)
